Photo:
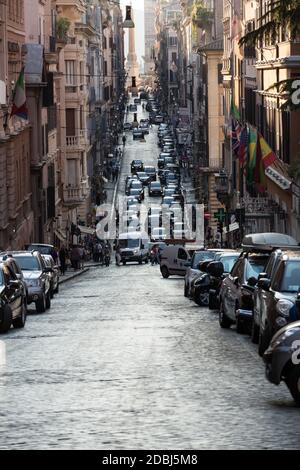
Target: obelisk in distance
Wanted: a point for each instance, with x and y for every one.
(132, 63)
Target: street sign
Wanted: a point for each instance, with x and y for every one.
(220, 215)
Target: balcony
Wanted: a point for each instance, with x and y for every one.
(77, 142)
(226, 68)
(73, 195)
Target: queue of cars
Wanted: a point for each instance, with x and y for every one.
(26, 277)
(256, 288)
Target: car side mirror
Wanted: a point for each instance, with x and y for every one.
(215, 269)
(252, 281)
(203, 265)
(48, 270)
(264, 284)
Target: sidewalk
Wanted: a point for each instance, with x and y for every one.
(71, 274)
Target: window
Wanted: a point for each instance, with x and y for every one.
(70, 73)
(287, 278)
(182, 254)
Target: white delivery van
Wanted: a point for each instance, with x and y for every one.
(175, 260)
(133, 246)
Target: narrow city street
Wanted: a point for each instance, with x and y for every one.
(123, 360)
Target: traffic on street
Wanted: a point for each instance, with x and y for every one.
(157, 346)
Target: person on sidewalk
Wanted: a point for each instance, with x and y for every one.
(62, 258)
(124, 140)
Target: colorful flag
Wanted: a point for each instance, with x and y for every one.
(268, 156)
(252, 145)
(243, 149)
(19, 106)
(259, 171)
(235, 136)
(235, 112)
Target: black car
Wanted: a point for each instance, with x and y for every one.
(282, 359)
(155, 188)
(13, 305)
(137, 165)
(236, 293)
(138, 193)
(143, 177)
(151, 172)
(278, 296)
(207, 285)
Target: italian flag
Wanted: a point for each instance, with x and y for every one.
(19, 106)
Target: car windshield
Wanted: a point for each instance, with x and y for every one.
(134, 191)
(201, 256)
(290, 281)
(149, 169)
(228, 262)
(44, 250)
(129, 243)
(28, 263)
(142, 175)
(255, 267)
(137, 162)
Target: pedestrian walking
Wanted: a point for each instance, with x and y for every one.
(124, 140)
(118, 256)
(75, 257)
(105, 196)
(62, 259)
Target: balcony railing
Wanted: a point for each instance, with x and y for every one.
(75, 141)
(73, 195)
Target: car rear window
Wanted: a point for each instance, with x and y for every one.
(28, 263)
(201, 256)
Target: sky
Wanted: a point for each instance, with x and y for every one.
(138, 7)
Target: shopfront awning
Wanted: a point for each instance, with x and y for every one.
(60, 235)
(86, 230)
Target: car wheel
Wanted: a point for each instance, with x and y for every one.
(48, 300)
(223, 319)
(293, 382)
(263, 341)
(165, 272)
(21, 320)
(202, 299)
(7, 319)
(254, 332)
(186, 291)
(40, 304)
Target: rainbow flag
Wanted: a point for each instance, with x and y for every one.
(19, 106)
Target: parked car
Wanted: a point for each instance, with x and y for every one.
(236, 293)
(44, 249)
(205, 287)
(36, 277)
(13, 303)
(53, 274)
(136, 165)
(277, 297)
(193, 270)
(155, 189)
(175, 260)
(282, 359)
(218, 270)
(13, 266)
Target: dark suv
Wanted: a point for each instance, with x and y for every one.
(136, 165)
(276, 296)
(36, 277)
(13, 306)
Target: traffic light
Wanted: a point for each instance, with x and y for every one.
(220, 227)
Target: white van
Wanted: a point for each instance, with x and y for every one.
(175, 260)
(133, 246)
